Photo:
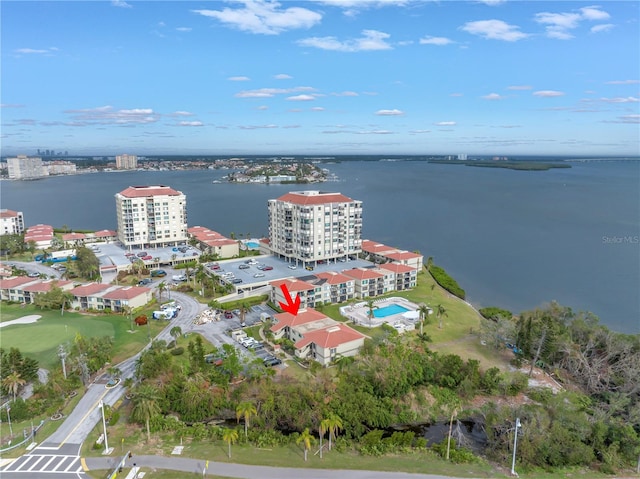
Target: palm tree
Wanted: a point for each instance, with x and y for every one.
(440, 312)
(246, 409)
(230, 436)
(424, 311)
(12, 383)
(324, 427)
(244, 308)
(114, 372)
(334, 424)
(162, 287)
(306, 439)
(370, 308)
(175, 333)
(145, 406)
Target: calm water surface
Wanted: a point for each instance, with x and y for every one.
(514, 239)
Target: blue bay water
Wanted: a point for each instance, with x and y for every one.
(515, 239)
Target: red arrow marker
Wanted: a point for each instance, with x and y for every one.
(292, 306)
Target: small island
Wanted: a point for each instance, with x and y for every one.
(279, 171)
(528, 165)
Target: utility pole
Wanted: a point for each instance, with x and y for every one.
(62, 354)
(104, 425)
(9, 419)
(515, 445)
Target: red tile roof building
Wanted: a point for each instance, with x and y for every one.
(316, 336)
(309, 226)
(150, 216)
(213, 242)
(42, 235)
(11, 222)
(381, 253)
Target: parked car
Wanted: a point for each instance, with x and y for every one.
(236, 281)
(309, 268)
(145, 281)
(33, 274)
(158, 273)
(179, 277)
(141, 254)
(147, 258)
(258, 275)
(272, 362)
(243, 266)
(267, 268)
(292, 266)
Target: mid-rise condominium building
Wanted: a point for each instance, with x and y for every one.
(126, 162)
(24, 167)
(312, 226)
(11, 222)
(151, 216)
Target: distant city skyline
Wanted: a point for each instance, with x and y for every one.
(325, 77)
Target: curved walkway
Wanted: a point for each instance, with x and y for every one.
(243, 471)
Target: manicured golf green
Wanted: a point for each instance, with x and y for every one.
(41, 339)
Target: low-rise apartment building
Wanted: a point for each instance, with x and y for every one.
(41, 235)
(212, 242)
(381, 253)
(317, 337)
(11, 222)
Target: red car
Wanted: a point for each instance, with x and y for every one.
(147, 258)
(267, 268)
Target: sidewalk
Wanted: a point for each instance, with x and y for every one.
(242, 471)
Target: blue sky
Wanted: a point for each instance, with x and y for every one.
(321, 77)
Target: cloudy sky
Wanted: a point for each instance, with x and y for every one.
(321, 77)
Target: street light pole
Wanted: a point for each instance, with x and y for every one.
(9, 419)
(104, 424)
(515, 445)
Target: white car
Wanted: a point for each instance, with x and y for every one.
(258, 275)
(179, 277)
(292, 266)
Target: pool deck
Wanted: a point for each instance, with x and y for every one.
(358, 313)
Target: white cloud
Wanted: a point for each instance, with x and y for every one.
(317, 108)
(548, 93)
(271, 92)
(558, 25)
(419, 131)
(262, 107)
(301, 98)
(519, 87)
(370, 40)
(282, 76)
(492, 3)
(440, 41)
(181, 113)
(634, 119)
(605, 27)
(445, 123)
(190, 123)
(11, 105)
(38, 51)
(346, 93)
(239, 78)
(121, 4)
(184, 29)
(623, 82)
(629, 99)
(264, 17)
(493, 96)
(107, 115)
(256, 127)
(394, 112)
(495, 30)
(353, 7)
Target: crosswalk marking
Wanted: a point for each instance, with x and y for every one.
(44, 463)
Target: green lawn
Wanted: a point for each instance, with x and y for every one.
(40, 340)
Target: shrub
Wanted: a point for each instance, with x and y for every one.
(115, 416)
(493, 312)
(177, 351)
(447, 282)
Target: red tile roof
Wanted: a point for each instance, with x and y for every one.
(8, 214)
(400, 255)
(304, 316)
(316, 199)
(293, 285)
(89, 289)
(330, 337)
(126, 292)
(73, 236)
(105, 233)
(333, 277)
(10, 283)
(373, 247)
(44, 286)
(362, 273)
(147, 191)
(397, 268)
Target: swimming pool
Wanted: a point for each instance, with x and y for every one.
(389, 310)
(252, 245)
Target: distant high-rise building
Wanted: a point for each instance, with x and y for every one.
(25, 168)
(11, 222)
(462, 156)
(311, 226)
(151, 216)
(126, 162)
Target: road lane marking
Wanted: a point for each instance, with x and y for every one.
(90, 411)
(83, 463)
